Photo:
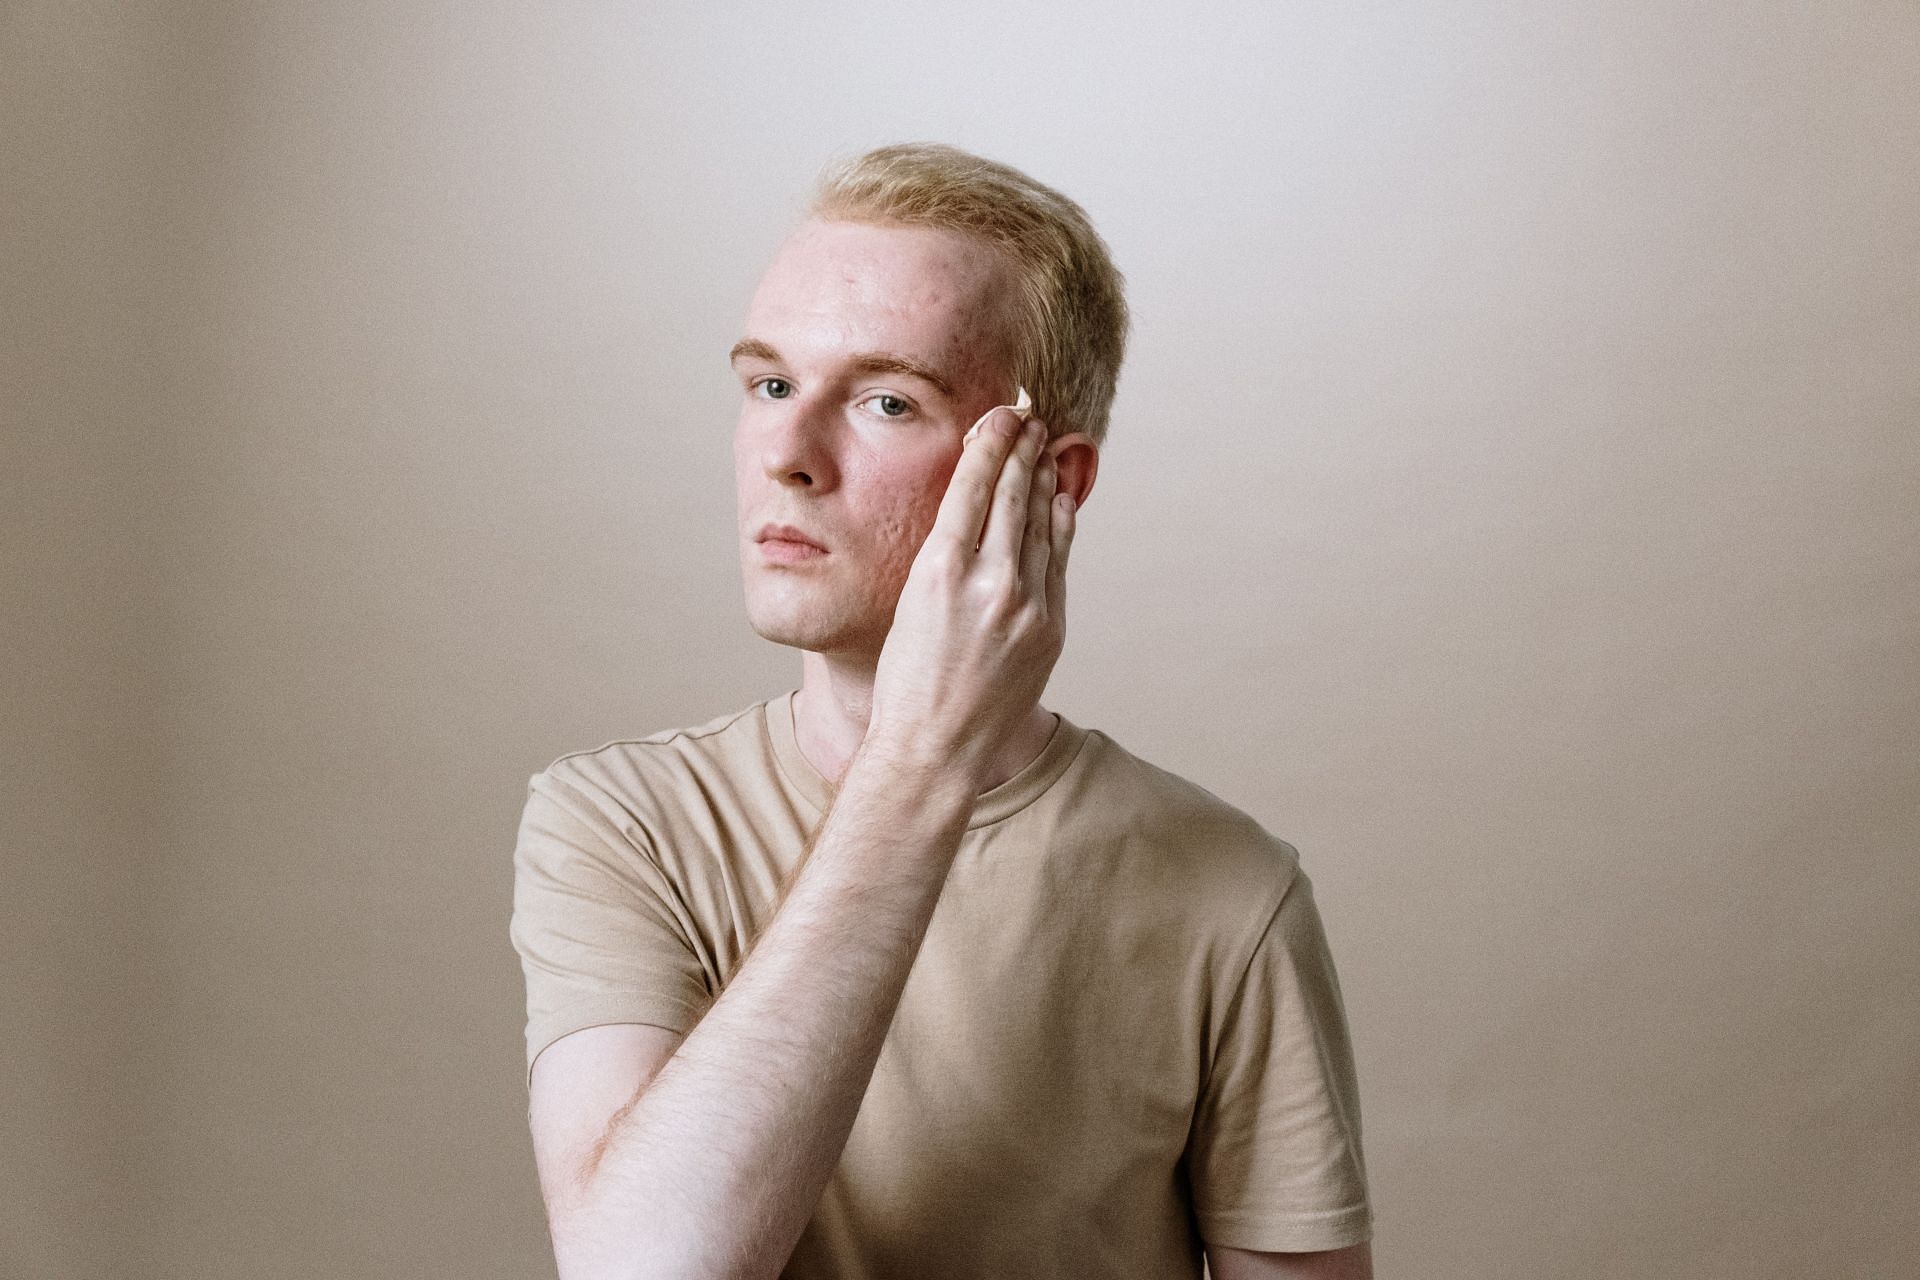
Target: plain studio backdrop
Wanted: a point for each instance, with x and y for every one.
(1511, 501)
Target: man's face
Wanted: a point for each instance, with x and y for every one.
(868, 353)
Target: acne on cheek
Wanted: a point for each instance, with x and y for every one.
(899, 535)
(897, 531)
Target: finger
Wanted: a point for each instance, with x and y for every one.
(1037, 546)
(963, 508)
(1007, 521)
(1065, 518)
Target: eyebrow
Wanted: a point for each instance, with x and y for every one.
(862, 362)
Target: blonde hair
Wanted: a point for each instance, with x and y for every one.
(1072, 328)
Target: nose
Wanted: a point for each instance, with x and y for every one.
(794, 439)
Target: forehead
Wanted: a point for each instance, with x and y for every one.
(853, 286)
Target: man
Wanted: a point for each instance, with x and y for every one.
(900, 974)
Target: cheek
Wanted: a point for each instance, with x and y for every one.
(906, 502)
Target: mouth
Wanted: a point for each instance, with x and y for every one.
(784, 544)
(788, 534)
(781, 551)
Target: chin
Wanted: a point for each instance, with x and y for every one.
(811, 630)
(792, 637)
(790, 622)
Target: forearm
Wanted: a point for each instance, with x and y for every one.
(718, 1163)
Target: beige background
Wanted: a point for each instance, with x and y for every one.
(1511, 501)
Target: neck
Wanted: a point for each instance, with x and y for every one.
(835, 705)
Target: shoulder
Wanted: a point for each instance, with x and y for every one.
(1213, 844)
(628, 773)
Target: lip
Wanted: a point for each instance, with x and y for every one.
(780, 551)
(794, 539)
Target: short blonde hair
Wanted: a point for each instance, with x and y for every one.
(1073, 309)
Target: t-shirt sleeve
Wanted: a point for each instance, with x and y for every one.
(601, 933)
(1274, 1159)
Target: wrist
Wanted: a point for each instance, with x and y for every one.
(897, 766)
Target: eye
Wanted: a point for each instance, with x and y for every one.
(775, 388)
(891, 406)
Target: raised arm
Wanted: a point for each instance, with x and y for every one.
(716, 1165)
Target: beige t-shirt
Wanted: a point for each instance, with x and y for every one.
(1121, 1036)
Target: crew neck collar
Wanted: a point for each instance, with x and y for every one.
(1011, 796)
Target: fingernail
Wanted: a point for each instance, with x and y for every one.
(972, 431)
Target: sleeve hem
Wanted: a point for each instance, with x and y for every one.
(649, 1009)
(1288, 1233)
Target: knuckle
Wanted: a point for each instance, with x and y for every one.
(995, 587)
(997, 597)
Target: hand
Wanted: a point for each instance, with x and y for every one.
(982, 617)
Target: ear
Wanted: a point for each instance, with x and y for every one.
(1076, 459)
